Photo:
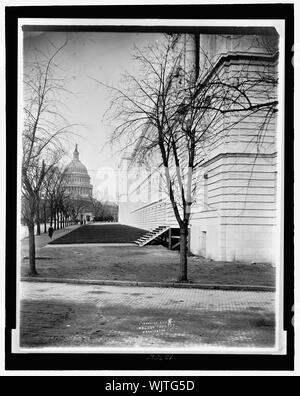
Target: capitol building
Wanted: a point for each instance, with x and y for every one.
(77, 178)
(78, 186)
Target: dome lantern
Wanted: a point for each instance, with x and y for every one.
(76, 153)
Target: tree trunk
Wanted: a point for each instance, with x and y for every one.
(38, 227)
(32, 268)
(54, 219)
(183, 253)
(51, 216)
(37, 220)
(45, 219)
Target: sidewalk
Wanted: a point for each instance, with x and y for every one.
(43, 239)
(55, 314)
(187, 285)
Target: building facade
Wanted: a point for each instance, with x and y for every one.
(234, 215)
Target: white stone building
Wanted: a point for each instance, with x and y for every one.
(78, 186)
(234, 216)
(77, 178)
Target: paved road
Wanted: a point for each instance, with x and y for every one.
(123, 316)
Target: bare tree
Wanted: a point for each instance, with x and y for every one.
(43, 127)
(77, 205)
(180, 110)
(55, 193)
(97, 206)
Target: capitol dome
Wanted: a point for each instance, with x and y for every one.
(77, 178)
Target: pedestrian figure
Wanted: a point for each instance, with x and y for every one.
(50, 231)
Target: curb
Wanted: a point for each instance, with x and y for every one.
(152, 284)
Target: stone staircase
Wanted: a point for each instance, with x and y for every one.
(151, 235)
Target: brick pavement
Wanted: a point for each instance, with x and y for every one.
(146, 316)
(148, 297)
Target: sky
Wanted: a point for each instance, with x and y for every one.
(88, 57)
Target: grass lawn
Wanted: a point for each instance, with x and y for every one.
(105, 233)
(147, 264)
